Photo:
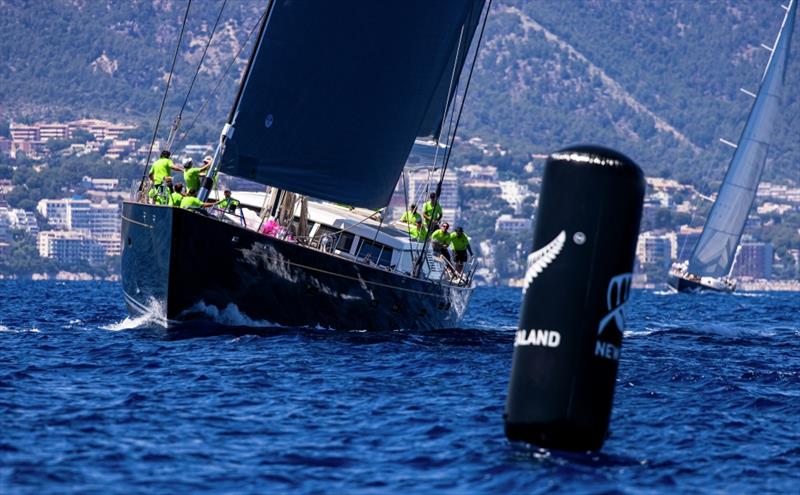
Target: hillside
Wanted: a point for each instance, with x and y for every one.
(657, 80)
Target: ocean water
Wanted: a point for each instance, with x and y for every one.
(708, 400)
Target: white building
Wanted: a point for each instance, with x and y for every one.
(479, 172)
(513, 225)
(19, 219)
(514, 193)
(100, 222)
(69, 246)
(420, 183)
(101, 184)
(654, 249)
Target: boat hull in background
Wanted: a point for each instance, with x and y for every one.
(681, 284)
(188, 266)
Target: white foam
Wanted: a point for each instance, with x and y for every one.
(664, 292)
(155, 314)
(5, 329)
(230, 316)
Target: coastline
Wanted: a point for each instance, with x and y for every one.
(61, 276)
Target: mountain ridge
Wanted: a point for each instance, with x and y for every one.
(658, 81)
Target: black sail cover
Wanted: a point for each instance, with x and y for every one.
(338, 91)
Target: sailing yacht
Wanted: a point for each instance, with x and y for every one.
(333, 99)
(709, 267)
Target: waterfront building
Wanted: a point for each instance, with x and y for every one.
(754, 260)
(655, 249)
(69, 246)
(98, 221)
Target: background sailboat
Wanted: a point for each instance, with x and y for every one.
(709, 267)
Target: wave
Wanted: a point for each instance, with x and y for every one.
(230, 316)
(20, 330)
(154, 314)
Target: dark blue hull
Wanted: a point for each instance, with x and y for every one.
(184, 266)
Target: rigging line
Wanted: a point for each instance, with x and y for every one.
(202, 57)
(166, 91)
(221, 79)
(453, 80)
(449, 151)
(408, 226)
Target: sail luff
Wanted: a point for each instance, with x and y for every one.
(246, 74)
(716, 249)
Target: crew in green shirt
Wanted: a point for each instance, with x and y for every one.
(460, 243)
(411, 217)
(177, 196)
(160, 169)
(191, 201)
(432, 212)
(228, 204)
(191, 175)
(418, 232)
(440, 239)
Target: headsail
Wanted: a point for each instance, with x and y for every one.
(715, 251)
(338, 91)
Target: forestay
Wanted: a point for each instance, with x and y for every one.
(338, 91)
(716, 248)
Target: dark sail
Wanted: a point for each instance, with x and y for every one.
(715, 251)
(338, 91)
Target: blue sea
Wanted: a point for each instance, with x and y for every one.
(707, 400)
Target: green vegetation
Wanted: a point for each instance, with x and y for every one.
(60, 176)
(683, 62)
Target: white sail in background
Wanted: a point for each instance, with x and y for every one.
(715, 251)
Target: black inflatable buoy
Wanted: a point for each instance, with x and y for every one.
(578, 278)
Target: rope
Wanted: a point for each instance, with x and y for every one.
(202, 58)
(166, 91)
(464, 96)
(455, 130)
(219, 82)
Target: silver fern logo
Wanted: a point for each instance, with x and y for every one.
(541, 258)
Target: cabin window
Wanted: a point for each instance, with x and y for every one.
(345, 242)
(375, 252)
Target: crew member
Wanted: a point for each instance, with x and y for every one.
(432, 212)
(163, 194)
(411, 216)
(191, 201)
(206, 164)
(191, 175)
(227, 203)
(418, 232)
(177, 195)
(160, 169)
(440, 240)
(461, 247)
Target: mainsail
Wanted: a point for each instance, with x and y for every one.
(337, 92)
(715, 251)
